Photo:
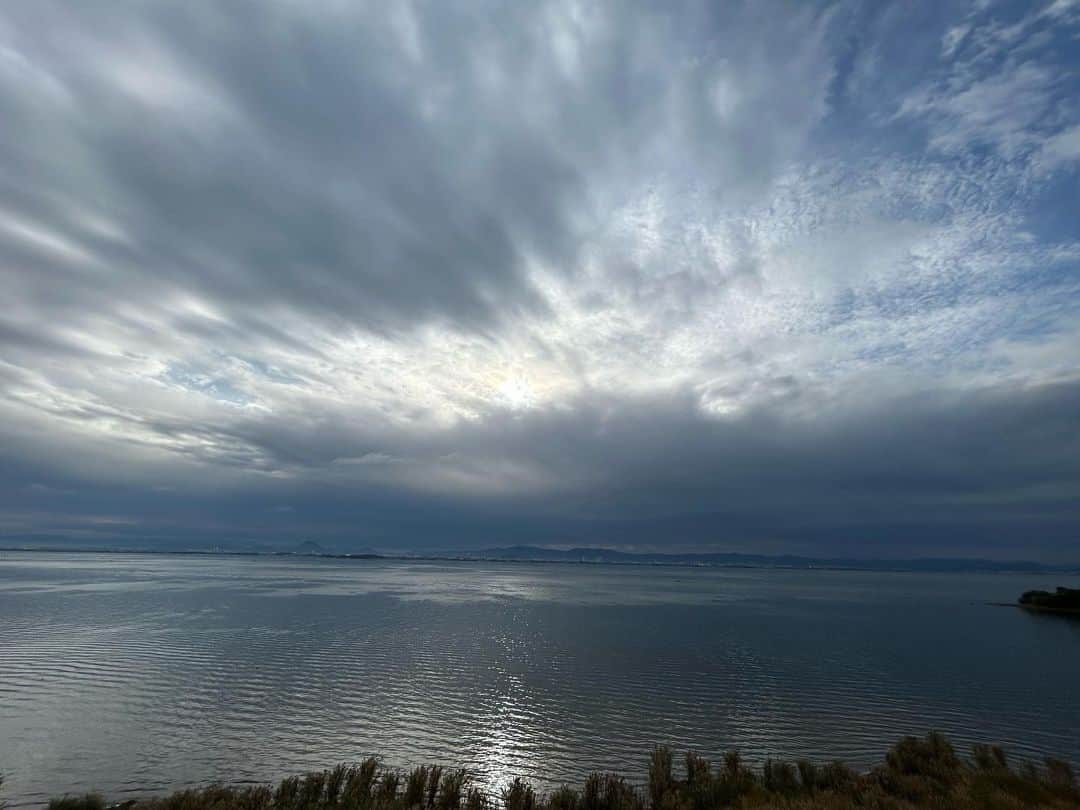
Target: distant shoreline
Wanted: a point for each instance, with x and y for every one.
(1060, 611)
(1037, 608)
(595, 557)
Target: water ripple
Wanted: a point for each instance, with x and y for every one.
(134, 674)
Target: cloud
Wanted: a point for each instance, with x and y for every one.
(1000, 82)
(588, 262)
(1062, 148)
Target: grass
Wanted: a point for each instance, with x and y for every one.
(917, 773)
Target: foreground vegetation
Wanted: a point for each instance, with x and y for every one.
(916, 773)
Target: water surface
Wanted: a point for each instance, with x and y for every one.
(140, 673)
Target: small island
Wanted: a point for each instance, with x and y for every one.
(1062, 600)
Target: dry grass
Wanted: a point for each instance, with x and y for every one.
(917, 773)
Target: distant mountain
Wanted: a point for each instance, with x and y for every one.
(604, 555)
(523, 553)
(310, 547)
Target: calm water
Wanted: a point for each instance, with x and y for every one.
(125, 673)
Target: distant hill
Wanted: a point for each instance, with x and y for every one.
(584, 554)
(310, 547)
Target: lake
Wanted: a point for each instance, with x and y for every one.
(131, 674)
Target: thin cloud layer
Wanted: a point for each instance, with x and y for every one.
(749, 276)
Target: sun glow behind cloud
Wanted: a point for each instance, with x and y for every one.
(490, 252)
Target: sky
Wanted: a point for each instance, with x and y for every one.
(764, 276)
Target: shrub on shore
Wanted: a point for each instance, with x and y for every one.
(88, 801)
(1066, 600)
(917, 773)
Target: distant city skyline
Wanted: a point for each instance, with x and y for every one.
(761, 277)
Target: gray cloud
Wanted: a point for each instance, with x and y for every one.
(741, 274)
(985, 470)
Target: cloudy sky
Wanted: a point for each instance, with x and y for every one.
(755, 276)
